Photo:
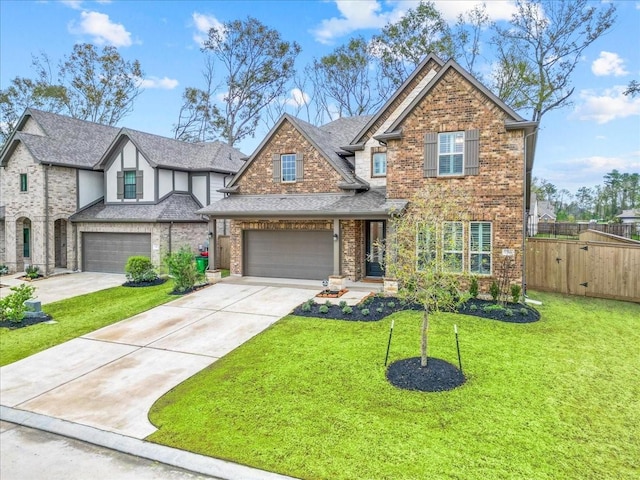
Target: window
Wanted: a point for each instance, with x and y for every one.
(425, 246)
(452, 246)
(130, 184)
(450, 153)
(379, 164)
(480, 248)
(288, 166)
(23, 182)
(26, 242)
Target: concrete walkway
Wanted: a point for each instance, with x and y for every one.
(105, 382)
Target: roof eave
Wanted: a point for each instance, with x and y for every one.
(384, 137)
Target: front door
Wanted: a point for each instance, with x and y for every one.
(375, 255)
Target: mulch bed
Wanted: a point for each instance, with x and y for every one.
(157, 281)
(26, 322)
(379, 307)
(438, 376)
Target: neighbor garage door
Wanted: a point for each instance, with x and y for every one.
(108, 252)
(288, 254)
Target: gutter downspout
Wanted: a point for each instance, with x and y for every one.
(170, 231)
(525, 215)
(46, 219)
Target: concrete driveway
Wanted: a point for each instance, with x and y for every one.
(108, 379)
(60, 287)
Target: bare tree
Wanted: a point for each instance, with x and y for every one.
(467, 36)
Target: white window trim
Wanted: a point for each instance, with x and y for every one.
(446, 250)
(480, 252)
(292, 155)
(124, 184)
(455, 174)
(373, 165)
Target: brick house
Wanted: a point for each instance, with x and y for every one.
(83, 196)
(312, 202)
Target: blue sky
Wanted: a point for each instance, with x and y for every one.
(576, 147)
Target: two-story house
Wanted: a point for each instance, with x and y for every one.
(79, 195)
(311, 202)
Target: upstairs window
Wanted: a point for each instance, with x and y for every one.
(23, 182)
(378, 164)
(450, 153)
(480, 248)
(130, 184)
(288, 165)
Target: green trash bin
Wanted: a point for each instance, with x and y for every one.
(201, 263)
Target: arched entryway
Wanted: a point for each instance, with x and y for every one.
(60, 241)
(23, 243)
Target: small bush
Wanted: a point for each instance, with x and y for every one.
(3, 269)
(32, 271)
(473, 307)
(508, 312)
(323, 309)
(139, 269)
(347, 310)
(328, 303)
(524, 312)
(493, 308)
(473, 288)
(12, 306)
(306, 307)
(342, 304)
(391, 304)
(494, 290)
(515, 292)
(379, 309)
(365, 311)
(182, 268)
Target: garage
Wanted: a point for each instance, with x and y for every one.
(108, 252)
(288, 254)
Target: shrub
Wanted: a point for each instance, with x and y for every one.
(379, 309)
(473, 288)
(524, 312)
(12, 306)
(323, 309)
(306, 307)
(342, 304)
(328, 303)
(3, 269)
(508, 312)
(365, 311)
(139, 269)
(493, 308)
(391, 304)
(494, 290)
(347, 310)
(515, 292)
(32, 271)
(182, 268)
(473, 307)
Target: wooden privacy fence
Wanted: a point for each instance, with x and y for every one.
(574, 229)
(224, 251)
(582, 267)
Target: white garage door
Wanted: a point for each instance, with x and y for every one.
(108, 252)
(288, 254)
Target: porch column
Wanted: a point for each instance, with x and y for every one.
(336, 246)
(213, 243)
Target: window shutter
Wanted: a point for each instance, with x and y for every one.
(120, 185)
(431, 154)
(277, 178)
(472, 152)
(299, 167)
(138, 183)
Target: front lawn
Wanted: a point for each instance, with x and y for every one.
(79, 315)
(558, 398)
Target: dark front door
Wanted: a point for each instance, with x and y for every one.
(375, 236)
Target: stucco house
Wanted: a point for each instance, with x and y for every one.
(311, 202)
(83, 196)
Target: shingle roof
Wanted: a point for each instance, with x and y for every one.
(178, 207)
(372, 203)
(626, 213)
(545, 208)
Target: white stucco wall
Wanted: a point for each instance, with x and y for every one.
(181, 181)
(199, 188)
(90, 187)
(165, 182)
(32, 127)
(216, 182)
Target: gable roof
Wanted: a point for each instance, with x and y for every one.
(325, 139)
(545, 209)
(177, 207)
(67, 141)
(630, 214)
(167, 152)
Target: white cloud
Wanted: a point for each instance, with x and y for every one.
(298, 98)
(367, 14)
(608, 63)
(75, 4)
(203, 24)
(164, 83)
(609, 105)
(627, 162)
(102, 29)
(600, 137)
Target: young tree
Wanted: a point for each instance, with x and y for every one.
(257, 66)
(540, 48)
(467, 35)
(422, 254)
(87, 84)
(401, 46)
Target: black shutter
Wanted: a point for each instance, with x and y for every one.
(431, 154)
(472, 152)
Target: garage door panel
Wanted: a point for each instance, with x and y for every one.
(289, 254)
(109, 252)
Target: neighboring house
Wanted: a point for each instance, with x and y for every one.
(311, 202)
(629, 216)
(540, 211)
(79, 195)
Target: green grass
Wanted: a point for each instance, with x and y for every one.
(559, 398)
(79, 315)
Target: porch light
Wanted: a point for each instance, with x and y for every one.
(335, 237)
